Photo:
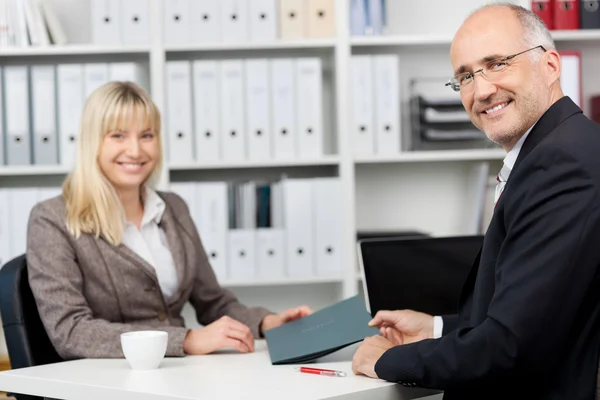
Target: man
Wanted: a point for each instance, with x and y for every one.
(528, 324)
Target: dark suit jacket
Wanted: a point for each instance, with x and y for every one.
(529, 313)
(88, 291)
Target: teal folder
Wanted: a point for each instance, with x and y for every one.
(321, 333)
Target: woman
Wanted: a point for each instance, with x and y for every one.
(112, 255)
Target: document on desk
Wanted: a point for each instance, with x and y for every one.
(321, 333)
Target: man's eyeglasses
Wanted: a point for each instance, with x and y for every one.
(491, 70)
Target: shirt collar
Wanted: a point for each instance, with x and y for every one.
(154, 207)
(513, 154)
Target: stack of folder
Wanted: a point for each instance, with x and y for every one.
(236, 110)
(375, 100)
(15, 206)
(568, 14)
(259, 230)
(43, 104)
(239, 21)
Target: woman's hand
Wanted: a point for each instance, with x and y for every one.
(223, 333)
(274, 320)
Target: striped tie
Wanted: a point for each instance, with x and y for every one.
(501, 178)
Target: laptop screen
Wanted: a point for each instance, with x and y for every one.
(423, 274)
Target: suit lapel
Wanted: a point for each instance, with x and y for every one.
(556, 115)
(553, 117)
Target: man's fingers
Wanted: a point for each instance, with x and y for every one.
(382, 317)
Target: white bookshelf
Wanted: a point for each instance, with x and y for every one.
(322, 161)
(33, 170)
(73, 50)
(277, 45)
(405, 186)
(434, 156)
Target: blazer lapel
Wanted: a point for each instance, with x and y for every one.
(169, 224)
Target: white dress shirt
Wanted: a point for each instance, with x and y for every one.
(509, 162)
(150, 242)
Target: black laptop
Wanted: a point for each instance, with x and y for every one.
(419, 273)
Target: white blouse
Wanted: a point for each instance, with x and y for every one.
(150, 243)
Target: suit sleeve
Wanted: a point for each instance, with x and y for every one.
(57, 285)
(209, 299)
(450, 323)
(551, 246)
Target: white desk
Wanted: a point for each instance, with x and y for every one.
(228, 375)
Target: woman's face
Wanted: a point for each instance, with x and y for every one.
(127, 158)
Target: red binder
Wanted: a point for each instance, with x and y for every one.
(596, 109)
(545, 10)
(566, 14)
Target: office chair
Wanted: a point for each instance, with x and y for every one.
(26, 339)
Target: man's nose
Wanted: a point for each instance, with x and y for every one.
(483, 88)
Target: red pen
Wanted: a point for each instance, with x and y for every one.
(319, 371)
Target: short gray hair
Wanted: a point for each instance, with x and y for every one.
(535, 31)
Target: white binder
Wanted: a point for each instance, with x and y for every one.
(43, 109)
(263, 20)
(214, 224)
(242, 254)
(16, 108)
(283, 106)
(21, 202)
(321, 18)
(94, 75)
(179, 112)
(299, 225)
(5, 234)
(270, 258)
(70, 106)
(177, 20)
(362, 100)
(207, 134)
(187, 191)
(206, 21)
(293, 19)
(106, 22)
(234, 20)
(258, 109)
(328, 206)
(2, 132)
(129, 72)
(387, 104)
(232, 119)
(135, 22)
(309, 103)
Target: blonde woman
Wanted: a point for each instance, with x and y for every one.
(113, 255)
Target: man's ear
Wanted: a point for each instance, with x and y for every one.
(552, 66)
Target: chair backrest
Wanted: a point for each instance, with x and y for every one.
(26, 339)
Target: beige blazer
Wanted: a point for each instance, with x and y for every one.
(88, 291)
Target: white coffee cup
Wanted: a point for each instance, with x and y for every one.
(144, 349)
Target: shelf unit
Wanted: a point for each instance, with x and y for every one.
(355, 172)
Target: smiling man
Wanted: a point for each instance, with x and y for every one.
(528, 324)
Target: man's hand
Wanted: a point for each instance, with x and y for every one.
(223, 333)
(367, 355)
(274, 320)
(403, 326)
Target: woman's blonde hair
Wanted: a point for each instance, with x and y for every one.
(93, 205)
